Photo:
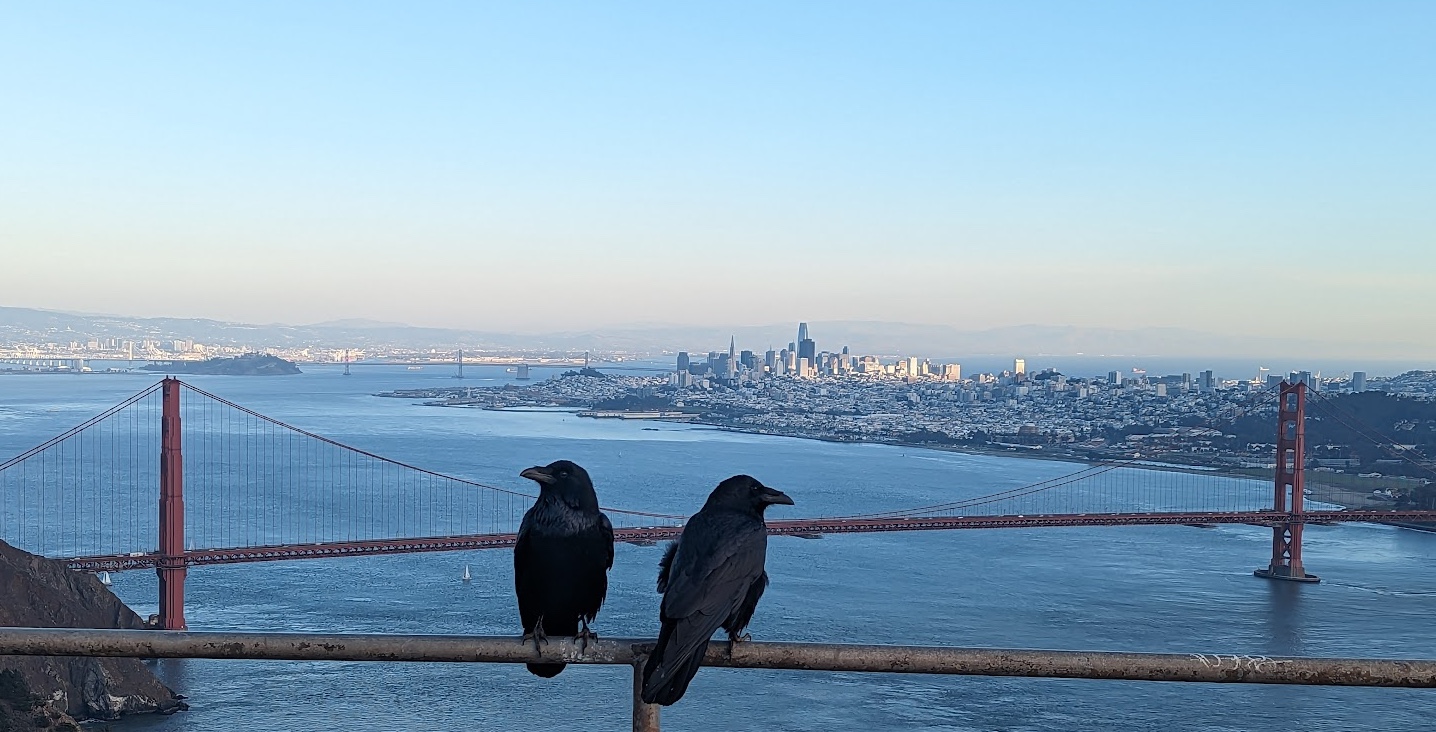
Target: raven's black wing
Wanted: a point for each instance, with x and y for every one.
(589, 579)
(735, 624)
(527, 580)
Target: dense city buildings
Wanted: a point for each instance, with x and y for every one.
(802, 390)
(1171, 418)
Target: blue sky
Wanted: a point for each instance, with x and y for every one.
(555, 166)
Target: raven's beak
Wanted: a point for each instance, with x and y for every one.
(771, 496)
(538, 475)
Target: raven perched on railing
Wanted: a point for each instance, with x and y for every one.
(563, 552)
(711, 577)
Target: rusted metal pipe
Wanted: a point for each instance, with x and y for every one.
(1200, 667)
(645, 716)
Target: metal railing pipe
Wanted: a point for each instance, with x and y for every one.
(1191, 667)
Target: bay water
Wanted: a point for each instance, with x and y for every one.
(1155, 589)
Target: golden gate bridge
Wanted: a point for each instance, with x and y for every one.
(176, 477)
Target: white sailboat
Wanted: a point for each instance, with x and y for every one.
(105, 579)
(467, 576)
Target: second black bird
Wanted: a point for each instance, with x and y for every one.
(561, 558)
(711, 578)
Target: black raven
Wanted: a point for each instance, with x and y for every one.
(711, 577)
(561, 558)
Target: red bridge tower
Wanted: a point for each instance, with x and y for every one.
(1290, 482)
(171, 566)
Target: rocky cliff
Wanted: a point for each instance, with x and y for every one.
(51, 692)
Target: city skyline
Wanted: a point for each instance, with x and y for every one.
(802, 359)
(27, 331)
(536, 169)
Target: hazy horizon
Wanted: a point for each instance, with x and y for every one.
(1040, 344)
(1228, 168)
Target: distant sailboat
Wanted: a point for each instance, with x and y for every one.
(467, 576)
(105, 579)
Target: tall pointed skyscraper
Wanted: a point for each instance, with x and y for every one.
(806, 348)
(732, 357)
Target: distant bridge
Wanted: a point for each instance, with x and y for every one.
(46, 364)
(602, 366)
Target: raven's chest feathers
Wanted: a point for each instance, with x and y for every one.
(561, 562)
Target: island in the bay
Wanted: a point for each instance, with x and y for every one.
(249, 364)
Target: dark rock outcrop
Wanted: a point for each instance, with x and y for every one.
(42, 593)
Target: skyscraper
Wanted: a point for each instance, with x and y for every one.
(805, 346)
(1206, 381)
(732, 357)
(1019, 366)
(683, 361)
(1306, 377)
(1358, 381)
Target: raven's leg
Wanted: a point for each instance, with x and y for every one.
(583, 636)
(739, 637)
(535, 634)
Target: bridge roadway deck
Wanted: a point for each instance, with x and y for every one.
(811, 528)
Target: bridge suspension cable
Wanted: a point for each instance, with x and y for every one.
(398, 463)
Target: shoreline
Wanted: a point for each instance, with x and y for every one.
(1349, 498)
(1345, 498)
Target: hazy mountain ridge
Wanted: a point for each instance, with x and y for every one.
(863, 337)
(31, 325)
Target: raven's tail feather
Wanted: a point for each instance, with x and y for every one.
(546, 670)
(666, 679)
(678, 684)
